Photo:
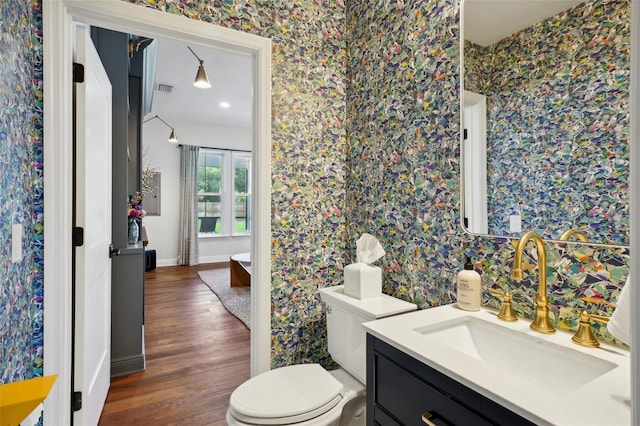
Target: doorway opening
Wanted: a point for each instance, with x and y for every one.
(121, 16)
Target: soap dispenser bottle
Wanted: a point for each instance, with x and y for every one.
(469, 288)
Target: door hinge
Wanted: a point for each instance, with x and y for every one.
(78, 73)
(77, 401)
(77, 236)
(466, 222)
(465, 134)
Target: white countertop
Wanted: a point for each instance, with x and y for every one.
(602, 400)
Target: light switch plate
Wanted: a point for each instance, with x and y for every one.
(16, 242)
(515, 223)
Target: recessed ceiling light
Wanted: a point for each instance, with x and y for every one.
(224, 104)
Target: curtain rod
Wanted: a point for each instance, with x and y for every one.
(215, 149)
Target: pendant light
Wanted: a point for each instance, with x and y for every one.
(172, 137)
(201, 81)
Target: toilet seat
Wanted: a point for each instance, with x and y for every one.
(291, 394)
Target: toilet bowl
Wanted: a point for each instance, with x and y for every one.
(307, 394)
(304, 394)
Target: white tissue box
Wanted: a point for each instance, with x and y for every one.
(362, 281)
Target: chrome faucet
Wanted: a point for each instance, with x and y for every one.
(541, 321)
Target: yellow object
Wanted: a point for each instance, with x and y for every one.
(19, 399)
(541, 321)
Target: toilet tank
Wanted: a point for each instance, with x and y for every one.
(345, 335)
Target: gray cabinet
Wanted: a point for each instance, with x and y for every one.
(127, 311)
(404, 391)
(127, 268)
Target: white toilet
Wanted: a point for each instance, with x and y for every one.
(307, 394)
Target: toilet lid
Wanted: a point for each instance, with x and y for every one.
(300, 391)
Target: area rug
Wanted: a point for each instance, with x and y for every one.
(237, 300)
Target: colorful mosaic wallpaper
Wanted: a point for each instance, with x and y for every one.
(403, 112)
(21, 196)
(558, 96)
(365, 139)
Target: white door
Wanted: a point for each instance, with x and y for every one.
(92, 195)
(474, 120)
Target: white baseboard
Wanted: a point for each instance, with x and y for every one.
(203, 259)
(166, 262)
(215, 259)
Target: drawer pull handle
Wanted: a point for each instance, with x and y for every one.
(432, 419)
(426, 419)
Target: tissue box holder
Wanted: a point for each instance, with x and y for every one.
(362, 281)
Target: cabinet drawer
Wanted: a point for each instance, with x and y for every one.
(383, 419)
(408, 398)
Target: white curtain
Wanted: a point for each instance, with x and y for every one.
(188, 233)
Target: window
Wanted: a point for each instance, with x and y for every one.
(242, 192)
(224, 193)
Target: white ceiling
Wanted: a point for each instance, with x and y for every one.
(230, 75)
(489, 21)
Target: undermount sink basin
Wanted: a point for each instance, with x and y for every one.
(540, 362)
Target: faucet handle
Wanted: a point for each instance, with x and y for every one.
(598, 300)
(506, 310)
(584, 334)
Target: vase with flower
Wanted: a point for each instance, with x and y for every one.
(135, 213)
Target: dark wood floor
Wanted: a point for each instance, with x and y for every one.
(197, 353)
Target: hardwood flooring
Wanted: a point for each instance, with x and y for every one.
(197, 353)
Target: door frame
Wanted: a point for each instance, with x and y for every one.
(118, 15)
(634, 213)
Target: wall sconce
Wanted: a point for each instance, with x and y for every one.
(172, 137)
(134, 44)
(201, 81)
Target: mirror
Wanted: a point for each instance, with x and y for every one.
(547, 117)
